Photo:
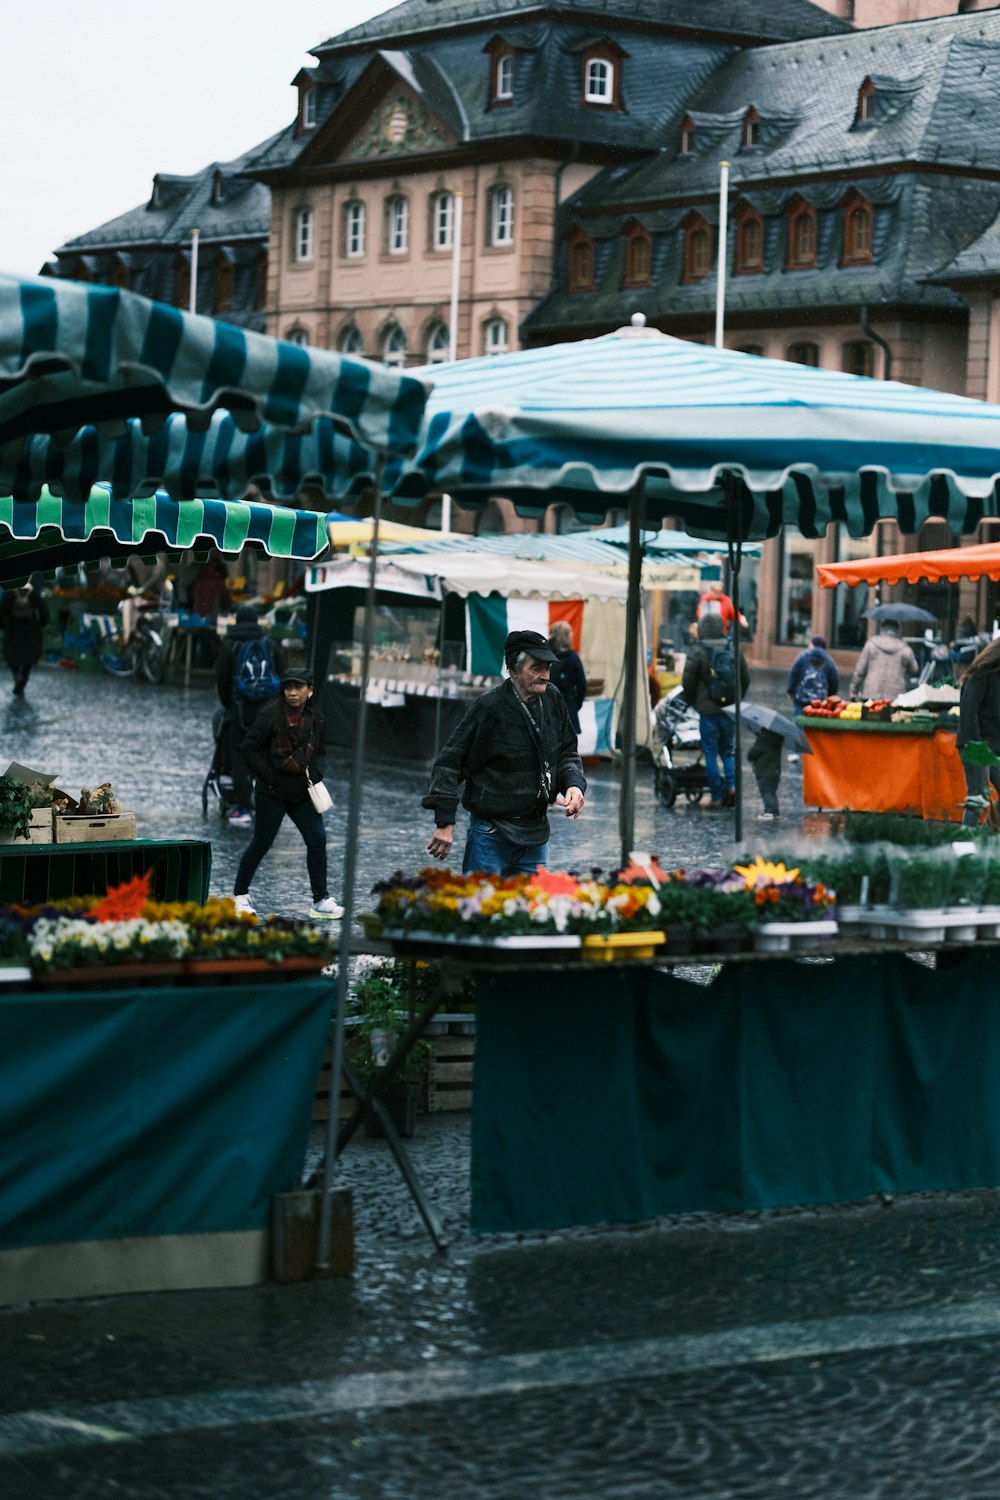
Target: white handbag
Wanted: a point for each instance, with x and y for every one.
(319, 796)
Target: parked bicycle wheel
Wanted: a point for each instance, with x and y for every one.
(666, 786)
(153, 657)
(116, 657)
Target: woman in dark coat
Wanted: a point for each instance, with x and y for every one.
(23, 618)
(979, 719)
(284, 749)
(567, 673)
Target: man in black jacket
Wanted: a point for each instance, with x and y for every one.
(515, 750)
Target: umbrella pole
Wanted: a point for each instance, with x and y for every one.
(735, 525)
(630, 697)
(346, 944)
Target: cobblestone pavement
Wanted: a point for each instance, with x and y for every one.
(845, 1353)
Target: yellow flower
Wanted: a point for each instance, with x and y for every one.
(763, 872)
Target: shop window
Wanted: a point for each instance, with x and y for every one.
(397, 224)
(867, 106)
(394, 348)
(438, 347)
(638, 257)
(803, 354)
(496, 336)
(500, 217)
(302, 242)
(697, 248)
(351, 341)
(442, 220)
(795, 595)
(751, 129)
(687, 136)
(858, 358)
(581, 263)
(857, 231)
(749, 242)
(354, 229)
(801, 235)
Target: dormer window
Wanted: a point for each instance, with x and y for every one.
(751, 129)
(867, 103)
(501, 55)
(216, 188)
(749, 241)
(638, 256)
(601, 83)
(687, 136)
(581, 262)
(697, 248)
(858, 237)
(308, 100)
(309, 109)
(801, 235)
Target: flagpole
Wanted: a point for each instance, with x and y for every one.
(720, 269)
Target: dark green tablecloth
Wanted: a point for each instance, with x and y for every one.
(32, 873)
(620, 1095)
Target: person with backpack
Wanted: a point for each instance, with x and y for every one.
(284, 749)
(247, 675)
(709, 685)
(813, 675)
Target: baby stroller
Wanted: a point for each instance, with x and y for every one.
(677, 758)
(219, 781)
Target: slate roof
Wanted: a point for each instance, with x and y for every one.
(777, 20)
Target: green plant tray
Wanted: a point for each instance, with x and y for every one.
(876, 726)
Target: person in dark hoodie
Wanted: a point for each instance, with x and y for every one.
(239, 713)
(23, 618)
(813, 675)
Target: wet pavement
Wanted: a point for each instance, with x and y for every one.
(845, 1353)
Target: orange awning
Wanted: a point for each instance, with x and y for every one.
(982, 561)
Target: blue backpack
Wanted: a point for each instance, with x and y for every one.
(813, 684)
(256, 676)
(722, 674)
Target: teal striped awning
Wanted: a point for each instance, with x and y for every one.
(74, 355)
(53, 532)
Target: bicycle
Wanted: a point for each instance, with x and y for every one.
(144, 653)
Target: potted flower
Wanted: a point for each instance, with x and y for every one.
(379, 1018)
(790, 910)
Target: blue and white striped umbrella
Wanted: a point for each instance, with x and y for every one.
(73, 355)
(583, 422)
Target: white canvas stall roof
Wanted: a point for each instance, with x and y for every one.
(586, 553)
(467, 573)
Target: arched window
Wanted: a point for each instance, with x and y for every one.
(350, 341)
(751, 129)
(297, 335)
(500, 219)
(638, 256)
(857, 231)
(302, 243)
(803, 354)
(503, 77)
(867, 106)
(442, 220)
(354, 228)
(394, 347)
(397, 224)
(757, 350)
(496, 336)
(581, 262)
(801, 235)
(599, 81)
(858, 358)
(697, 248)
(749, 241)
(438, 348)
(687, 136)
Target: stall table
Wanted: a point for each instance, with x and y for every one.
(31, 874)
(870, 766)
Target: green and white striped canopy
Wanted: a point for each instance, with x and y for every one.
(74, 355)
(53, 532)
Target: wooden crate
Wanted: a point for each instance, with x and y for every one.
(449, 1083)
(40, 832)
(321, 1098)
(74, 828)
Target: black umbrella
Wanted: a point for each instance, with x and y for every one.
(756, 716)
(900, 612)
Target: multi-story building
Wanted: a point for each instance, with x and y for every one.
(466, 176)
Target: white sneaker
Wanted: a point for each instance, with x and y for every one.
(767, 817)
(326, 908)
(244, 904)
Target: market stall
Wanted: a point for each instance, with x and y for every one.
(873, 766)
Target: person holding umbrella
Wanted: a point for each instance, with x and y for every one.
(772, 730)
(884, 664)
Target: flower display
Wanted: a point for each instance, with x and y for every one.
(66, 942)
(439, 901)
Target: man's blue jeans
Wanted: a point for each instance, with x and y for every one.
(718, 736)
(486, 849)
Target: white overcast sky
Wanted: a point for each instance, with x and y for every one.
(101, 94)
